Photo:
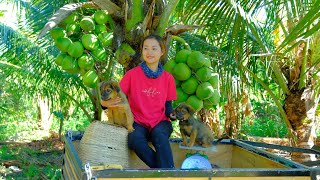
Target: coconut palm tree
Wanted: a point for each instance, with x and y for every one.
(285, 41)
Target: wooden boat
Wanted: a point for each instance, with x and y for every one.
(230, 159)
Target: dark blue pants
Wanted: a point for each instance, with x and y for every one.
(159, 136)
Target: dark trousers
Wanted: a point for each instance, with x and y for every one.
(159, 136)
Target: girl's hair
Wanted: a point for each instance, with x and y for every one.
(158, 38)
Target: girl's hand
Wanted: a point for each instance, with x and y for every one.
(111, 103)
(173, 116)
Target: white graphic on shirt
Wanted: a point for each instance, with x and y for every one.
(151, 91)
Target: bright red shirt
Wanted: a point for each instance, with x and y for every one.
(147, 96)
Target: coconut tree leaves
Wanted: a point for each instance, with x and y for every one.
(29, 64)
(306, 21)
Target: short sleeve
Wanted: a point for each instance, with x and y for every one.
(172, 93)
(125, 83)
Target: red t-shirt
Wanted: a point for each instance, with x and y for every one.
(147, 96)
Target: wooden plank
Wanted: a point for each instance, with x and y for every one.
(66, 171)
(284, 148)
(76, 171)
(218, 178)
(205, 173)
(245, 159)
(221, 157)
(281, 160)
(312, 163)
(224, 157)
(69, 146)
(73, 160)
(166, 178)
(73, 164)
(71, 169)
(263, 178)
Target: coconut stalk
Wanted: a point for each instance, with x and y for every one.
(181, 40)
(303, 70)
(98, 101)
(82, 107)
(135, 14)
(164, 19)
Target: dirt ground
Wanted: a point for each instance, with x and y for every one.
(40, 159)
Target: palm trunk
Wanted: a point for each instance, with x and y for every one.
(300, 107)
(231, 126)
(45, 116)
(211, 118)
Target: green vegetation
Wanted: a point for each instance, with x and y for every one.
(244, 44)
(266, 122)
(35, 160)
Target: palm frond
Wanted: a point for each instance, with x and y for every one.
(309, 19)
(37, 72)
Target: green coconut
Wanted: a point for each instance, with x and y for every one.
(101, 16)
(181, 96)
(169, 65)
(63, 43)
(76, 49)
(105, 38)
(73, 17)
(73, 70)
(69, 63)
(87, 24)
(204, 91)
(195, 102)
(90, 79)
(181, 71)
(190, 85)
(214, 80)
(99, 54)
(59, 59)
(100, 28)
(196, 60)
(203, 74)
(182, 56)
(207, 62)
(72, 28)
(214, 99)
(57, 32)
(85, 62)
(90, 41)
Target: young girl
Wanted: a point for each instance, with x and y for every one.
(150, 91)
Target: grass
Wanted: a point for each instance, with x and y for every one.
(38, 159)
